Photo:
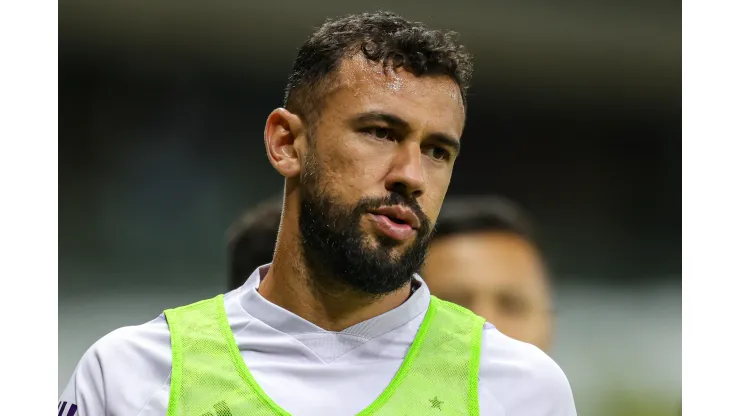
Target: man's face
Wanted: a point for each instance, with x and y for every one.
(499, 276)
(375, 172)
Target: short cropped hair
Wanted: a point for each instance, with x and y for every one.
(382, 37)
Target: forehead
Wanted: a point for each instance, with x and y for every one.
(486, 260)
(428, 102)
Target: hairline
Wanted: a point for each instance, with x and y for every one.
(322, 88)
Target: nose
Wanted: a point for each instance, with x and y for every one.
(407, 175)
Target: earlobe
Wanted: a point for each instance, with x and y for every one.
(283, 133)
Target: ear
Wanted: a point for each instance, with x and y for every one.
(284, 132)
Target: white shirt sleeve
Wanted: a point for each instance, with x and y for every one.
(518, 379)
(84, 393)
(120, 373)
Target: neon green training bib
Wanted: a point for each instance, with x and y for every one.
(439, 375)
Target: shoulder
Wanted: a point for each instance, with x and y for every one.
(129, 369)
(521, 378)
(120, 372)
(146, 344)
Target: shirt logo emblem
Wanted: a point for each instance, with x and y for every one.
(436, 404)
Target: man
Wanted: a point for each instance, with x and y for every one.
(251, 240)
(339, 324)
(483, 257)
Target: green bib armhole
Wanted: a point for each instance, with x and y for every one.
(172, 317)
(473, 375)
(241, 367)
(176, 373)
(204, 351)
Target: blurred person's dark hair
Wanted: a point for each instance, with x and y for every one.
(486, 213)
(382, 37)
(480, 213)
(251, 240)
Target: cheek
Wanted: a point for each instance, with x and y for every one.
(351, 166)
(434, 196)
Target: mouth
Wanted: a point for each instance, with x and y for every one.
(396, 222)
(399, 215)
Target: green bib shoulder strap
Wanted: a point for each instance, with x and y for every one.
(209, 377)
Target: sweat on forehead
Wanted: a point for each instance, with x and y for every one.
(357, 73)
(360, 84)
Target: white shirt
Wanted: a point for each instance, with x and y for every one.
(127, 372)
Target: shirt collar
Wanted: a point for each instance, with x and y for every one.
(292, 324)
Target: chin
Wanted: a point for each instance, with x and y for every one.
(397, 246)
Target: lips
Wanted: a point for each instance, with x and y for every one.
(392, 229)
(399, 215)
(396, 222)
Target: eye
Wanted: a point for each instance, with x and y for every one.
(379, 132)
(511, 305)
(438, 153)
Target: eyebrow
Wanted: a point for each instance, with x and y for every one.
(447, 140)
(401, 124)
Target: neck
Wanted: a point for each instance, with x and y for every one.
(288, 284)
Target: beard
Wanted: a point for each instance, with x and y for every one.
(340, 255)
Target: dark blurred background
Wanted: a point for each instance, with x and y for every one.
(575, 112)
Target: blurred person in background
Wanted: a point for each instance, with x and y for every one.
(339, 323)
(483, 256)
(251, 240)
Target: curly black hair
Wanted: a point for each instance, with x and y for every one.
(382, 37)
